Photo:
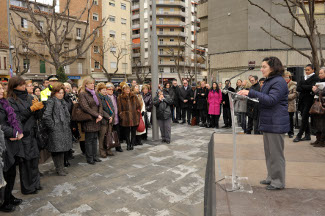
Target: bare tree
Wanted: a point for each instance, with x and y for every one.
(141, 71)
(118, 51)
(178, 56)
(21, 49)
(54, 28)
(307, 25)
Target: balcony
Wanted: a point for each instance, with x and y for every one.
(135, 36)
(202, 10)
(170, 44)
(169, 24)
(165, 54)
(171, 63)
(168, 3)
(166, 34)
(136, 26)
(136, 16)
(135, 46)
(135, 7)
(135, 55)
(169, 14)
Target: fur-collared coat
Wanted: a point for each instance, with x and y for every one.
(88, 105)
(292, 86)
(129, 110)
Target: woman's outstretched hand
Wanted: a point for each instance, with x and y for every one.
(243, 92)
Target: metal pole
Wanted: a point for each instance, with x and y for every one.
(9, 36)
(195, 45)
(154, 69)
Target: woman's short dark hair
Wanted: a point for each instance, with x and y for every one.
(310, 65)
(35, 88)
(14, 82)
(275, 65)
(166, 84)
(56, 87)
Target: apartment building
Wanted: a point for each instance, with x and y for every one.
(232, 32)
(23, 58)
(175, 31)
(116, 42)
(4, 57)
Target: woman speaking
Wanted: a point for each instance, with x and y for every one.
(274, 120)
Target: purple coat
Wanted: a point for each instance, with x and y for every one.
(214, 100)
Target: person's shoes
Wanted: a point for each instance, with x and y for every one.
(248, 132)
(183, 122)
(132, 147)
(306, 138)
(176, 122)
(297, 139)
(39, 188)
(290, 135)
(163, 141)
(320, 144)
(61, 173)
(66, 163)
(270, 187)
(168, 142)
(97, 160)
(65, 171)
(103, 155)
(189, 123)
(264, 182)
(315, 143)
(33, 192)
(7, 208)
(91, 162)
(119, 149)
(201, 125)
(140, 143)
(15, 201)
(224, 126)
(110, 153)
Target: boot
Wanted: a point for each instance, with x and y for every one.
(128, 144)
(60, 165)
(306, 138)
(318, 139)
(320, 144)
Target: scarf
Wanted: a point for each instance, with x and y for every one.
(308, 76)
(107, 104)
(61, 110)
(288, 81)
(93, 93)
(11, 116)
(113, 99)
(21, 94)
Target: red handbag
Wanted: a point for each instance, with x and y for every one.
(141, 126)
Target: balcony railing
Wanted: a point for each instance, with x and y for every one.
(135, 36)
(136, 16)
(136, 26)
(168, 3)
(135, 7)
(134, 55)
(168, 13)
(164, 33)
(136, 45)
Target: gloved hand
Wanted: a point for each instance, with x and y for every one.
(36, 106)
(35, 100)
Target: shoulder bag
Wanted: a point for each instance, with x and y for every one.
(318, 108)
(79, 115)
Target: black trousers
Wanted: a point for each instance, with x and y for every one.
(291, 132)
(178, 113)
(29, 175)
(304, 128)
(91, 145)
(117, 128)
(227, 116)
(252, 124)
(214, 120)
(203, 115)
(186, 112)
(10, 177)
(130, 131)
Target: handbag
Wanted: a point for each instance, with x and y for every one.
(42, 134)
(318, 108)
(111, 139)
(141, 126)
(79, 115)
(193, 121)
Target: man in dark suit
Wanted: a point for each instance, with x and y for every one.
(184, 100)
(252, 108)
(226, 105)
(202, 104)
(306, 100)
(176, 112)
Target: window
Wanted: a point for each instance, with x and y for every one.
(161, 10)
(42, 66)
(112, 4)
(113, 49)
(161, 41)
(96, 49)
(172, 40)
(26, 64)
(79, 68)
(123, 21)
(112, 34)
(161, 70)
(112, 19)
(97, 66)
(41, 24)
(66, 48)
(123, 6)
(67, 69)
(113, 65)
(161, 61)
(124, 65)
(95, 2)
(172, 29)
(5, 62)
(172, 70)
(78, 33)
(24, 23)
(123, 36)
(171, 59)
(145, 30)
(172, 10)
(161, 20)
(124, 51)
(95, 16)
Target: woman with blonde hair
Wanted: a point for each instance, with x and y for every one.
(90, 103)
(136, 90)
(147, 99)
(129, 112)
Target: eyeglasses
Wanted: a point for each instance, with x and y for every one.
(109, 89)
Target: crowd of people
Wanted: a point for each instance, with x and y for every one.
(42, 121)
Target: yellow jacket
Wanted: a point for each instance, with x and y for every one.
(45, 94)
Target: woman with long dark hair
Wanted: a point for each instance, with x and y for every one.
(13, 134)
(274, 120)
(214, 100)
(26, 108)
